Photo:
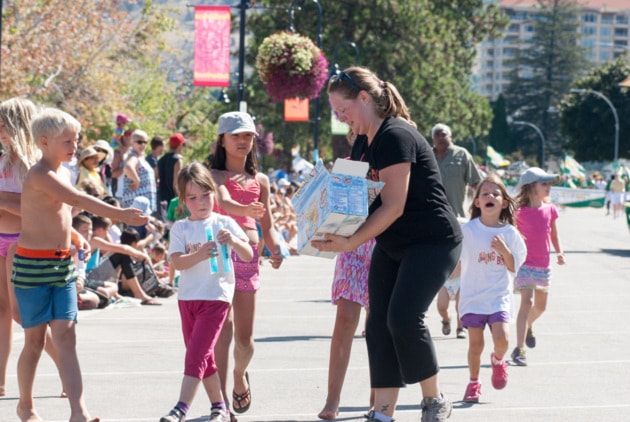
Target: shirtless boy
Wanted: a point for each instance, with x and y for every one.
(44, 275)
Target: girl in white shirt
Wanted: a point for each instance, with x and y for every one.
(492, 252)
(200, 248)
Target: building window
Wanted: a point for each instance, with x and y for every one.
(608, 19)
(622, 19)
(605, 32)
(589, 17)
(621, 32)
(515, 27)
(589, 30)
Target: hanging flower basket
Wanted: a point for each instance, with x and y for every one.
(291, 66)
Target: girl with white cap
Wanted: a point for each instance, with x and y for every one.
(243, 194)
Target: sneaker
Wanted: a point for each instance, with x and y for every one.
(473, 392)
(434, 410)
(518, 357)
(219, 415)
(530, 340)
(175, 415)
(499, 373)
(461, 333)
(446, 327)
(371, 417)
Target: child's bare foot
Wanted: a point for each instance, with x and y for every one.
(328, 415)
(63, 395)
(28, 415)
(85, 419)
(329, 412)
(3, 391)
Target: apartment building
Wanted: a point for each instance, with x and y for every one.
(604, 28)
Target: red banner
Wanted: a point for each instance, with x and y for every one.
(296, 110)
(212, 46)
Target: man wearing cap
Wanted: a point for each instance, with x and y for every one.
(457, 168)
(168, 167)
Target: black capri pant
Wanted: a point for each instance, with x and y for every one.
(402, 285)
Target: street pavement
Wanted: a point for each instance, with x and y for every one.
(132, 358)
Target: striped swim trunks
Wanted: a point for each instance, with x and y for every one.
(36, 268)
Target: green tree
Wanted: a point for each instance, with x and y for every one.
(543, 72)
(92, 58)
(425, 47)
(499, 136)
(589, 122)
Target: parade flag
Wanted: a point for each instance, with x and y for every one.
(296, 110)
(571, 168)
(212, 46)
(495, 158)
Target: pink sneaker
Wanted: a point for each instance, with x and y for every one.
(473, 392)
(499, 373)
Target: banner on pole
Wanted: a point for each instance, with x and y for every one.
(296, 110)
(212, 46)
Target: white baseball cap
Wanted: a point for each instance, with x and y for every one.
(236, 122)
(535, 174)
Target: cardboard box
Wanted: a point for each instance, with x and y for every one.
(334, 202)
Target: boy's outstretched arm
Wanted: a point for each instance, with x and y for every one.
(65, 192)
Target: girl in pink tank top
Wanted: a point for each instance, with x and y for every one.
(243, 194)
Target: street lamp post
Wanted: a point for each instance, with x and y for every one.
(610, 104)
(335, 67)
(319, 45)
(540, 134)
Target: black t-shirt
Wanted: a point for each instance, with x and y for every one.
(166, 170)
(124, 261)
(427, 216)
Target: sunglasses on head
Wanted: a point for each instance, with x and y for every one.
(343, 76)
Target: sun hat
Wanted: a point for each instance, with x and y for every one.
(176, 140)
(283, 183)
(535, 174)
(87, 153)
(236, 122)
(122, 119)
(143, 204)
(109, 152)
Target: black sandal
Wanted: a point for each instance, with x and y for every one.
(240, 398)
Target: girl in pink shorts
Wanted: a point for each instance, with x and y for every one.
(200, 248)
(244, 194)
(20, 153)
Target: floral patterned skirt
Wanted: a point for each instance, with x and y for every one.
(351, 275)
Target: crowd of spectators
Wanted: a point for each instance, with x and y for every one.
(128, 265)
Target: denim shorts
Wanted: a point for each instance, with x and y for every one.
(480, 321)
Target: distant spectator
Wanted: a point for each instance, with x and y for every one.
(157, 149)
(457, 168)
(139, 177)
(168, 168)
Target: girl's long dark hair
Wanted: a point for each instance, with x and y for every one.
(220, 157)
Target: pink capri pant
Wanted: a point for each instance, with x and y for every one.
(202, 321)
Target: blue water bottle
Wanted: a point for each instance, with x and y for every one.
(214, 266)
(226, 255)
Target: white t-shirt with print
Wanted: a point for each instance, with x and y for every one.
(486, 284)
(199, 282)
